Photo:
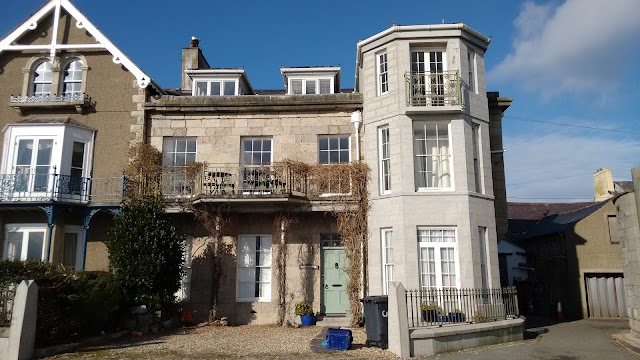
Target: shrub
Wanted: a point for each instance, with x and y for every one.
(70, 304)
(146, 254)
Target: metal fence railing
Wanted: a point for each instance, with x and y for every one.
(433, 88)
(435, 307)
(7, 293)
(32, 186)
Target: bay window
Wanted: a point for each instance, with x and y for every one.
(438, 257)
(432, 153)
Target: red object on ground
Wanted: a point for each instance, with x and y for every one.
(559, 313)
(186, 315)
(136, 333)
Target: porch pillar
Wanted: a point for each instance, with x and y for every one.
(398, 327)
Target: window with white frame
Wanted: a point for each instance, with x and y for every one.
(254, 268)
(311, 86)
(184, 293)
(385, 159)
(387, 259)
(215, 87)
(257, 151)
(72, 78)
(72, 247)
(383, 74)
(41, 80)
(438, 257)
(471, 62)
(178, 152)
(427, 85)
(24, 241)
(477, 165)
(333, 149)
(432, 152)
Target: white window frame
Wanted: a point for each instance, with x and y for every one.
(79, 231)
(252, 237)
(314, 78)
(384, 163)
(166, 150)
(476, 140)
(437, 246)
(339, 149)
(222, 81)
(33, 82)
(472, 73)
(386, 243)
(250, 163)
(382, 73)
(26, 229)
(64, 81)
(450, 172)
(184, 292)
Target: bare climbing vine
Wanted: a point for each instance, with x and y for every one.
(281, 239)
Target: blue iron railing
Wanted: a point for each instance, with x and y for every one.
(34, 187)
(435, 307)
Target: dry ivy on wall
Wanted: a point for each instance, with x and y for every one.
(281, 239)
(350, 206)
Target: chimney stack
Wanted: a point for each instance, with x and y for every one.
(194, 42)
(603, 184)
(192, 58)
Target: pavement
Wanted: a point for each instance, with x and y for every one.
(582, 339)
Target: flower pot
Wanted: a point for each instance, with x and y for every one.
(430, 315)
(307, 320)
(456, 317)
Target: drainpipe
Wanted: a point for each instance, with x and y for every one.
(356, 119)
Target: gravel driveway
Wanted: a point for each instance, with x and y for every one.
(235, 342)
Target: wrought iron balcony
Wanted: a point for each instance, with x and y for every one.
(233, 180)
(80, 101)
(433, 89)
(34, 187)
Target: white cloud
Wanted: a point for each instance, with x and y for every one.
(580, 46)
(569, 160)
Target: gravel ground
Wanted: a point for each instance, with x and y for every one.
(233, 342)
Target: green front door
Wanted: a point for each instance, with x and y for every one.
(334, 281)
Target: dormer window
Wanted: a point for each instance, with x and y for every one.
(311, 80)
(42, 78)
(215, 88)
(310, 86)
(219, 82)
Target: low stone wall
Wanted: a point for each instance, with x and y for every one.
(438, 340)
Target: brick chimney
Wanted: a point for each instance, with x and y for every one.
(192, 58)
(603, 184)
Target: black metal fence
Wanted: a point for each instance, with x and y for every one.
(7, 293)
(435, 307)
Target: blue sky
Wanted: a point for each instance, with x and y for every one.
(570, 66)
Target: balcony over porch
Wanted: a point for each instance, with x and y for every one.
(433, 91)
(236, 183)
(17, 189)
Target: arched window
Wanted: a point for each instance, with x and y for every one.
(72, 78)
(41, 82)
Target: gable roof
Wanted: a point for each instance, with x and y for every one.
(556, 217)
(55, 6)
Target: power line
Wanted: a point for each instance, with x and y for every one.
(559, 177)
(570, 125)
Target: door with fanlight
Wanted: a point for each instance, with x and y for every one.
(427, 77)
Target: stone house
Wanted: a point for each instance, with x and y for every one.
(70, 101)
(258, 180)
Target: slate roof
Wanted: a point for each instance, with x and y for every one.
(620, 187)
(530, 220)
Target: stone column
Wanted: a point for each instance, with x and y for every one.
(22, 336)
(398, 326)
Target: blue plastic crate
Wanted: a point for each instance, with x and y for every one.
(338, 339)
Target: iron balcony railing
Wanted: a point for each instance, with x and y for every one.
(433, 88)
(435, 307)
(233, 180)
(34, 187)
(7, 294)
(79, 97)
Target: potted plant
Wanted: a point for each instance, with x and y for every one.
(456, 316)
(429, 312)
(305, 311)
